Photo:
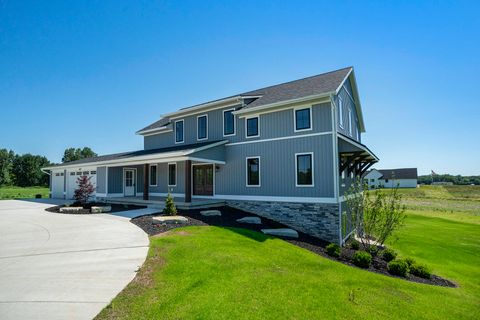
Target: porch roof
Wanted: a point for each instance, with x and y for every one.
(354, 156)
(176, 153)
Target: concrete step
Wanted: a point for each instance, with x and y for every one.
(251, 220)
(281, 232)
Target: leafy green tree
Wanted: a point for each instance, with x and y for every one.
(72, 154)
(6, 165)
(26, 169)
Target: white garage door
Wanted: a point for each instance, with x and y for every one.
(57, 185)
(72, 177)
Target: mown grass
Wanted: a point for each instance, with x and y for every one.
(222, 273)
(19, 192)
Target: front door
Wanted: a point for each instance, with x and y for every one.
(129, 183)
(203, 180)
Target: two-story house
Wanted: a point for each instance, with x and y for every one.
(287, 152)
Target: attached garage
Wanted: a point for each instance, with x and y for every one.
(57, 184)
(72, 178)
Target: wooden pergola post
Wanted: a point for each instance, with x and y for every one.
(188, 181)
(146, 176)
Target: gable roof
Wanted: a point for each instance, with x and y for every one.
(402, 173)
(321, 84)
(184, 149)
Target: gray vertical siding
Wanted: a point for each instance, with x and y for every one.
(348, 104)
(272, 125)
(277, 168)
(101, 175)
(162, 179)
(115, 179)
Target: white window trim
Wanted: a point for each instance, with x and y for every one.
(175, 131)
(150, 175)
(258, 126)
(168, 174)
(340, 112)
(350, 119)
(234, 123)
(206, 127)
(296, 171)
(259, 172)
(295, 118)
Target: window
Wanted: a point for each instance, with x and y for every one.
(202, 123)
(350, 121)
(172, 174)
(372, 180)
(303, 119)
(253, 172)
(93, 172)
(85, 173)
(153, 175)
(179, 131)
(228, 122)
(386, 180)
(57, 174)
(340, 111)
(72, 173)
(252, 127)
(304, 170)
(79, 173)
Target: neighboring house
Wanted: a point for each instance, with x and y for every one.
(287, 152)
(390, 178)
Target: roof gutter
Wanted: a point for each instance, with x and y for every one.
(281, 103)
(142, 132)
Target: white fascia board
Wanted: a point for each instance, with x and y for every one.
(155, 131)
(358, 105)
(202, 106)
(259, 109)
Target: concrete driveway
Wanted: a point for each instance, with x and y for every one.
(58, 266)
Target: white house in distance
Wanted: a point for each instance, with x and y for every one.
(390, 178)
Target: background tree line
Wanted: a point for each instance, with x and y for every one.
(24, 170)
(460, 180)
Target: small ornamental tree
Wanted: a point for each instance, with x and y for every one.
(170, 208)
(84, 191)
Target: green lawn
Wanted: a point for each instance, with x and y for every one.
(19, 192)
(221, 273)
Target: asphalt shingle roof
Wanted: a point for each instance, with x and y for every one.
(314, 85)
(403, 173)
(130, 154)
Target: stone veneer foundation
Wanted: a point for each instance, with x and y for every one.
(320, 220)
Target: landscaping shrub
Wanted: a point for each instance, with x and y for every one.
(372, 249)
(38, 196)
(398, 267)
(420, 270)
(354, 244)
(389, 254)
(333, 250)
(84, 191)
(170, 208)
(410, 261)
(362, 259)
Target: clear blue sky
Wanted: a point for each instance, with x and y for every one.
(117, 66)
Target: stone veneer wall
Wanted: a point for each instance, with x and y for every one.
(320, 220)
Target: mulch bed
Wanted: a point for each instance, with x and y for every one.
(315, 245)
(88, 206)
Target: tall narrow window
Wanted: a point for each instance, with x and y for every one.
(153, 175)
(350, 122)
(304, 168)
(303, 119)
(202, 123)
(172, 174)
(179, 131)
(340, 111)
(228, 122)
(253, 172)
(252, 127)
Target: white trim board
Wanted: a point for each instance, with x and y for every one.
(259, 173)
(313, 170)
(281, 138)
(270, 198)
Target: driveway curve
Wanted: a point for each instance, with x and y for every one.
(60, 266)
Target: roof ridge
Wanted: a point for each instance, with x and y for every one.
(304, 78)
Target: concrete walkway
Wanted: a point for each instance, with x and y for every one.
(60, 266)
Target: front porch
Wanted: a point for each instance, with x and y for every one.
(159, 202)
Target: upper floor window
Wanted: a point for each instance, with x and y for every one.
(153, 175)
(202, 123)
(350, 122)
(304, 169)
(228, 122)
(253, 172)
(179, 131)
(303, 119)
(340, 111)
(172, 174)
(252, 127)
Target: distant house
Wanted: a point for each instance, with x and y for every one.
(390, 178)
